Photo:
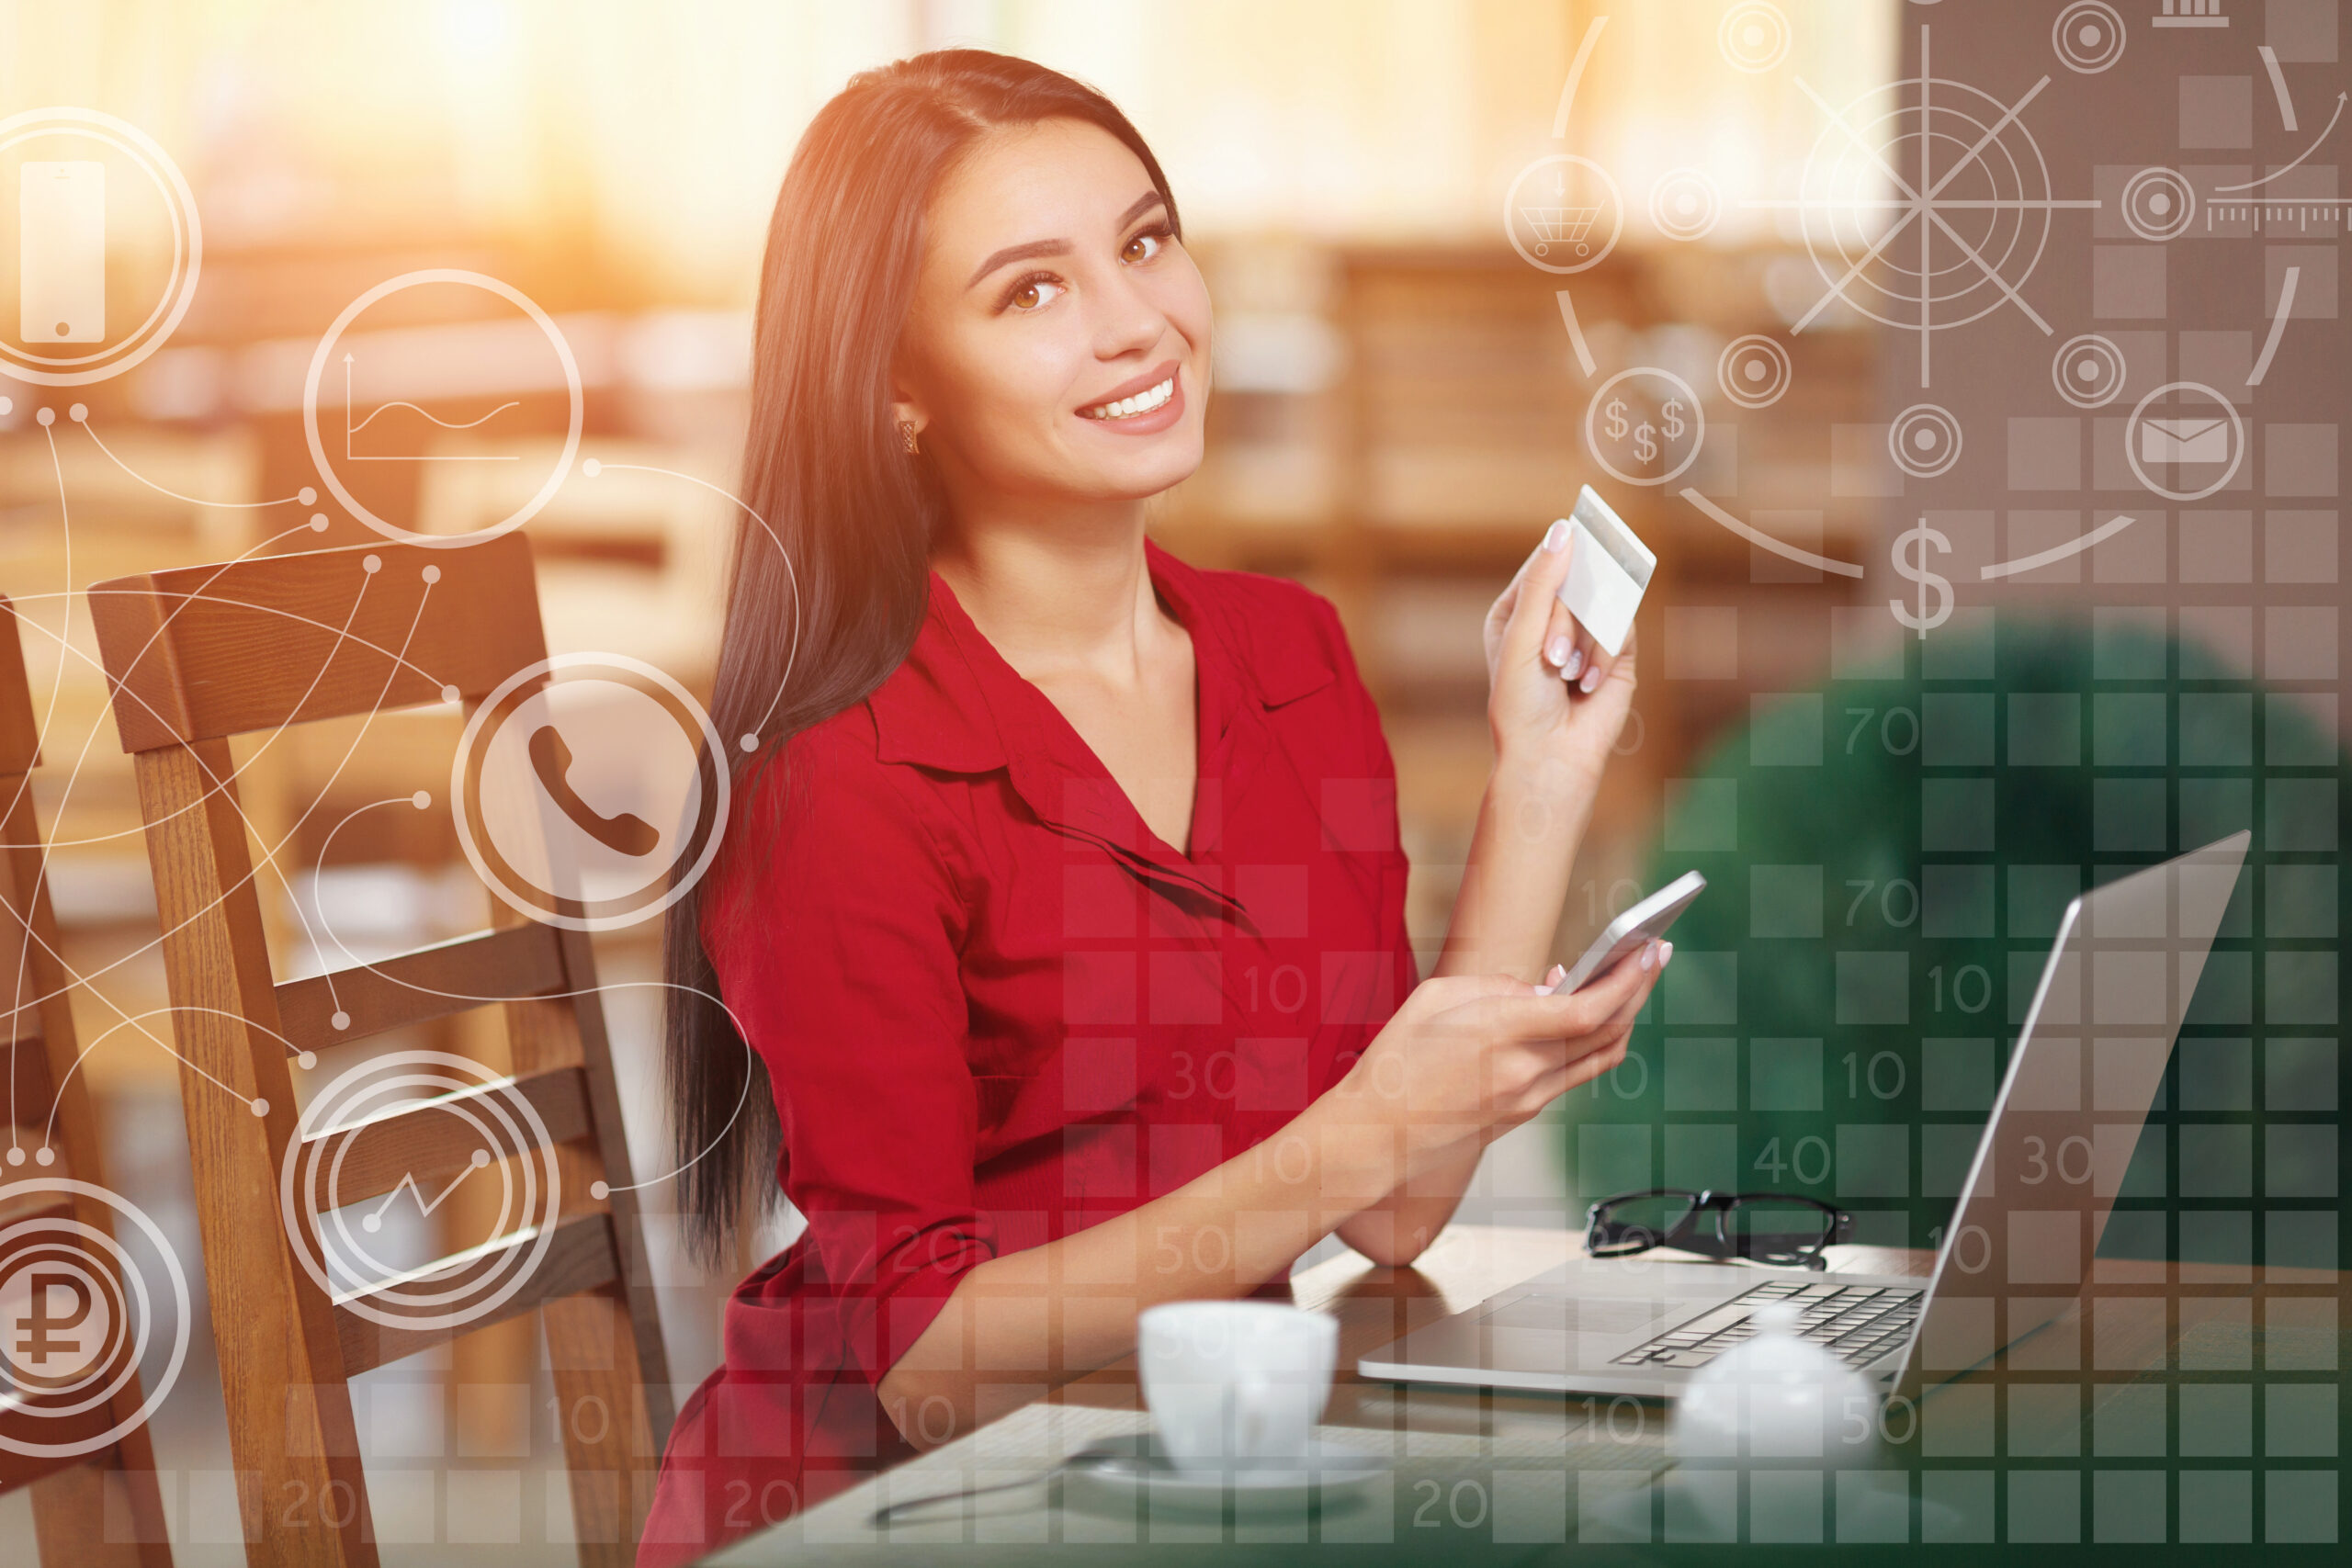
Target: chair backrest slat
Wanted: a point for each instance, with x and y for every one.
(580, 1257)
(419, 987)
(202, 652)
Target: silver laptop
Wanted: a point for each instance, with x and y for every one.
(2086, 1068)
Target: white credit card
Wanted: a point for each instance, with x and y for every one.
(1609, 570)
(62, 276)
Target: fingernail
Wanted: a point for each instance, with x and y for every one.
(1591, 679)
(1649, 953)
(1572, 664)
(1558, 651)
(1665, 952)
(1555, 537)
(1557, 973)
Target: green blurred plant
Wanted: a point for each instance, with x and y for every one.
(1887, 860)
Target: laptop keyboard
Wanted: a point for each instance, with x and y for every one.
(1857, 1324)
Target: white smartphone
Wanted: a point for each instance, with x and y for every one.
(61, 236)
(1629, 930)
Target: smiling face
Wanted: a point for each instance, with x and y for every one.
(1057, 348)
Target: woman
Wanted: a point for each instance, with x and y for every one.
(1063, 918)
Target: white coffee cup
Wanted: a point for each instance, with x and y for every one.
(1235, 1384)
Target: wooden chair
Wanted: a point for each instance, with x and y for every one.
(198, 656)
(80, 1501)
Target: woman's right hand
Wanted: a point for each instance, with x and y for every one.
(1468, 1057)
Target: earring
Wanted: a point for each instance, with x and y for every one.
(906, 438)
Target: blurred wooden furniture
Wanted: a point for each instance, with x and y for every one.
(198, 491)
(199, 655)
(79, 1500)
(631, 552)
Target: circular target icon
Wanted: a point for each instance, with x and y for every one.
(2088, 37)
(1685, 204)
(1754, 371)
(1753, 35)
(2088, 371)
(2158, 203)
(338, 1226)
(1924, 440)
(1563, 213)
(77, 1316)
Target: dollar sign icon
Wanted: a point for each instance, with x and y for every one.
(1615, 413)
(1673, 417)
(1645, 442)
(1911, 562)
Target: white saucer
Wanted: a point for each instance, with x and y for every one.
(1115, 1472)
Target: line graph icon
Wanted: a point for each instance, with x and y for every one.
(351, 428)
(1969, 214)
(336, 1207)
(317, 384)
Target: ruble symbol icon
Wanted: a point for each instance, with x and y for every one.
(1911, 562)
(41, 1332)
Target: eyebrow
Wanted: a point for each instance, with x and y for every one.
(1010, 253)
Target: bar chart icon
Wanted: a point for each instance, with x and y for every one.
(2190, 14)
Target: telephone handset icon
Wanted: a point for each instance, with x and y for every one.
(623, 833)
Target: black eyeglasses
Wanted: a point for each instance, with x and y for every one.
(1780, 1228)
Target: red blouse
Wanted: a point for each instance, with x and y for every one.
(996, 1008)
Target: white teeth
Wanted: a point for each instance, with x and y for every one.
(1127, 408)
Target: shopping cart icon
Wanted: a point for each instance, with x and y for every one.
(1567, 225)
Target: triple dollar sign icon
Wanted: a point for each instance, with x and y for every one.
(1615, 413)
(1645, 442)
(1912, 563)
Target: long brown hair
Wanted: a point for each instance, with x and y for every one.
(832, 563)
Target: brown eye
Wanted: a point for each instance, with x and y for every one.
(1031, 293)
(1148, 243)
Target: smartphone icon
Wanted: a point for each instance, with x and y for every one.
(624, 833)
(62, 275)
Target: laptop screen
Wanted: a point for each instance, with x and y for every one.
(2089, 1058)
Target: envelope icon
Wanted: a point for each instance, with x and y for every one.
(2184, 441)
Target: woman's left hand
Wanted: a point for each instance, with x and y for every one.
(1554, 695)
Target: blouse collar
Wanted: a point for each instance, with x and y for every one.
(956, 705)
